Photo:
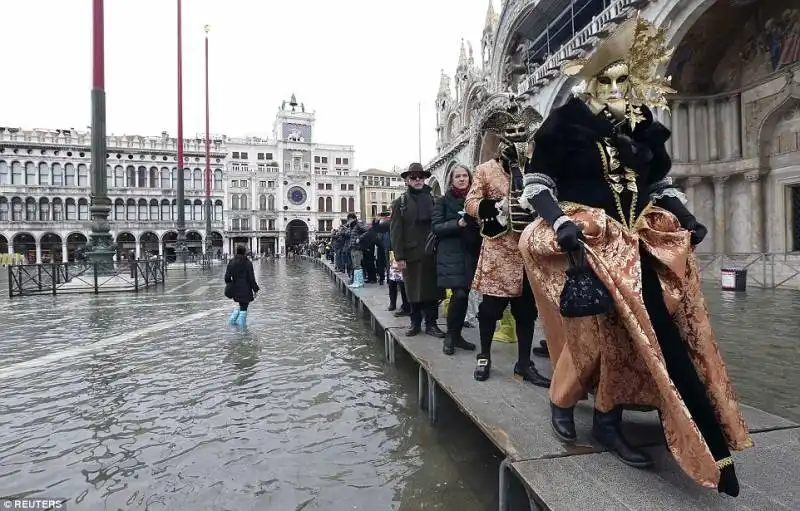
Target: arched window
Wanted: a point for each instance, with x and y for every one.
(141, 175)
(166, 178)
(69, 174)
(83, 209)
(153, 210)
(198, 179)
(130, 174)
(119, 177)
(197, 214)
(83, 175)
(187, 179)
(16, 209)
(351, 204)
(218, 179)
(58, 210)
(119, 210)
(154, 177)
(44, 210)
(71, 210)
(262, 202)
(271, 203)
(244, 201)
(187, 209)
(16, 173)
(166, 210)
(174, 208)
(5, 176)
(218, 211)
(343, 205)
(328, 205)
(30, 174)
(44, 174)
(109, 176)
(3, 209)
(321, 204)
(234, 202)
(142, 209)
(174, 178)
(130, 210)
(30, 206)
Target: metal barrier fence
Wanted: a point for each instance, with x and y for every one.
(198, 262)
(83, 277)
(765, 270)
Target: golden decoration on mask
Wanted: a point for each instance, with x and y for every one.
(641, 45)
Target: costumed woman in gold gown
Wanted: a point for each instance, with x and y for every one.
(612, 268)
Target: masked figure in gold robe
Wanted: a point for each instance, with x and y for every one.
(598, 180)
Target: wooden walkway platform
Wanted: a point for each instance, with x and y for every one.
(515, 417)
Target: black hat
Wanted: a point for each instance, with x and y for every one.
(415, 168)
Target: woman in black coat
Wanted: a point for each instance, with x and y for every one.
(240, 285)
(457, 253)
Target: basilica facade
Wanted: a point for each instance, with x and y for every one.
(735, 120)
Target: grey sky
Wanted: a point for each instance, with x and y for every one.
(361, 64)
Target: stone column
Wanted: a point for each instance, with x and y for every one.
(713, 149)
(39, 251)
(692, 113)
(674, 119)
(691, 187)
(736, 113)
(756, 212)
(719, 214)
(666, 120)
(64, 255)
(138, 249)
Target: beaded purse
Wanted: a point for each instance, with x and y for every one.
(584, 294)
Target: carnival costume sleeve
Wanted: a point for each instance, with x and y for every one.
(540, 181)
(396, 231)
(441, 227)
(477, 205)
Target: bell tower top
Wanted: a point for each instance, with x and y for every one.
(293, 123)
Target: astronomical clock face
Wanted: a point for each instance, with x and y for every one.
(297, 195)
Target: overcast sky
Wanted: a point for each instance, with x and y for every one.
(362, 65)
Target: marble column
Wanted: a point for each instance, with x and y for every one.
(138, 249)
(64, 255)
(666, 120)
(713, 149)
(719, 214)
(38, 252)
(756, 211)
(691, 186)
(676, 133)
(692, 113)
(737, 121)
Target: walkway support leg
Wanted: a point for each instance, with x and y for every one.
(433, 400)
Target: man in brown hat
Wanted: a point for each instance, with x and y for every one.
(409, 229)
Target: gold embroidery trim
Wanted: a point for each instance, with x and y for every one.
(617, 188)
(725, 462)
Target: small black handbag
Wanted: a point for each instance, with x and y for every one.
(229, 290)
(584, 294)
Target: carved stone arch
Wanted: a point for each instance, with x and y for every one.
(767, 120)
(436, 188)
(472, 102)
(452, 126)
(514, 13)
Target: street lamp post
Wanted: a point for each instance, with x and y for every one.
(180, 244)
(208, 160)
(101, 251)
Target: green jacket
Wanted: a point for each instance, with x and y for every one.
(406, 235)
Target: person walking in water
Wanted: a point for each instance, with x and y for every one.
(240, 286)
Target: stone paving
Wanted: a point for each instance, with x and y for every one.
(562, 477)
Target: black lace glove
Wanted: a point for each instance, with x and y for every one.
(487, 209)
(687, 220)
(631, 153)
(569, 236)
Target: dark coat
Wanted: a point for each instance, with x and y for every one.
(240, 272)
(457, 255)
(408, 244)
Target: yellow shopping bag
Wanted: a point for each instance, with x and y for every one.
(507, 330)
(446, 302)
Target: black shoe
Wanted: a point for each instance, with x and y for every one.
(563, 422)
(483, 369)
(728, 482)
(607, 431)
(391, 307)
(448, 346)
(402, 313)
(434, 331)
(414, 330)
(464, 344)
(540, 352)
(467, 324)
(532, 375)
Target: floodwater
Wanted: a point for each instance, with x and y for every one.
(298, 412)
(150, 402)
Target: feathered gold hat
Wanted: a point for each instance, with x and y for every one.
(639, 44)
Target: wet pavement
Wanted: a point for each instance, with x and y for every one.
(147, 401)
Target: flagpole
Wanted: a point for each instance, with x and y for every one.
(419, 129)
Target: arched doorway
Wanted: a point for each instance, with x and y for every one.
(24, 243)
(296, 233)
(217, 243)
(149, 243)
(51, 248)
(436, 188)
(3, 245)
(734, 114)
(194, 242)
(169, 239)
(267, 245)
(75, 241)
(126, 243)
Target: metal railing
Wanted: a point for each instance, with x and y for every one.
(84, 277)
(766, 270)
(199, 261)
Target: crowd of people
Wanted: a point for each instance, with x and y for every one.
(573, 222)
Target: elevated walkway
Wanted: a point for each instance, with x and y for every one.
(516, 416)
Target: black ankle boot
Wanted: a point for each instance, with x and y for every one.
(483, 368)
(728, 482)
(414, 330)
(464, 344)
(448, 345)
(563, 422)
(607, 431)
(433, 330)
